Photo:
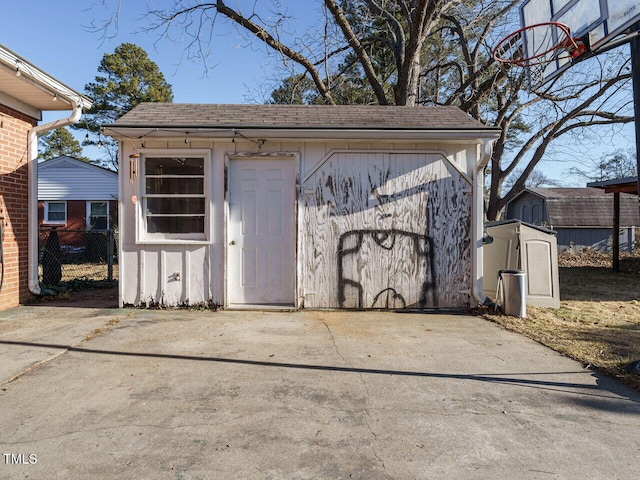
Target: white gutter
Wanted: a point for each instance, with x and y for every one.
(32, 169)
(32, 75)
(477, 221)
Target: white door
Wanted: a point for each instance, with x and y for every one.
(261, 232)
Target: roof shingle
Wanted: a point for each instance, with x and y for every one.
(178, 115)
(587, 207)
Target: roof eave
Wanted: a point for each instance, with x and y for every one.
(132, 131)
(43, 81)
(52, 163)
(523, 191)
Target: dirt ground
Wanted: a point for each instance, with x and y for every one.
(92, 298)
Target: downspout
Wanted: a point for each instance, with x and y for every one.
(477, 221)
(32, 171)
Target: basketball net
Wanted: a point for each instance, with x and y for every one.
(536, 46)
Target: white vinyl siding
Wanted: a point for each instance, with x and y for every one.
(55, 212)
(66, 178)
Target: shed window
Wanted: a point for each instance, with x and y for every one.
(55, 212)
(535, 215)
(174, 200)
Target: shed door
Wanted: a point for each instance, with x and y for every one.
(385, 230)
(261, 232)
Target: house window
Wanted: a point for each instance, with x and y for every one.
(55, 212)
(174, 201)
(97, 215)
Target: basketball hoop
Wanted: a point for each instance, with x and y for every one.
(535, 46)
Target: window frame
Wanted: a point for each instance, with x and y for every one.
(88, 216)
(142, 235)
(47, 220)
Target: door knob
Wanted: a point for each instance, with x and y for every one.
(232, 242)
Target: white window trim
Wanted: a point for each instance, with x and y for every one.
(142, 237)
(46, 213)
(88, 210)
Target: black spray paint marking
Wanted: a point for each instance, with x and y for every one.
(387, 240)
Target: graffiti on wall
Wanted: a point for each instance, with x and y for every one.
(383, 261)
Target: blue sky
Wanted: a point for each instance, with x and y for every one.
(53, 35)
(56, 36)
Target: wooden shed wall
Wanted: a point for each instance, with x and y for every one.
(528, 208)
(385, 230)
(411, 195)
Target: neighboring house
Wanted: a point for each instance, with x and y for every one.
(301, 206)
(25, 92)
(76, 195)
(582, 217)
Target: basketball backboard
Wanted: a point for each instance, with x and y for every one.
(598, 22)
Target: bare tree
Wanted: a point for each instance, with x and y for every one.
(417, 52)
(618, 164)
(536, 179)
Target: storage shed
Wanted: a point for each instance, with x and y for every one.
(518, 245)
(301, 206)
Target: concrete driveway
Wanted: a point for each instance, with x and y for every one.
(108, 393)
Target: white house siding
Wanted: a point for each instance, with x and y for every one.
(65, 179)
(151, 275)
(428, 212)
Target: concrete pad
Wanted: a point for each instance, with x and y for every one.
(266, 395)
(49, 328)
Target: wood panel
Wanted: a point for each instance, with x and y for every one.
(384, 230)
(168, 275)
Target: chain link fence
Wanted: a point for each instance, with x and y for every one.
(77, 256)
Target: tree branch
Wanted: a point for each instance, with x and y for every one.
(267, 38)
(360, 52)
(394, 24)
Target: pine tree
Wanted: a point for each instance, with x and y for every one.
(125, 78)
(60, 142)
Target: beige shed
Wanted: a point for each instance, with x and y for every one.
(512, 244)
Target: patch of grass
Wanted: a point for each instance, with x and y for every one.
(598, 322)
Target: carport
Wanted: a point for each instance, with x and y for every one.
(617, 186)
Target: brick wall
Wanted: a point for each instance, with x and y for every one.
(14, 127)
(76, 215)
(71, 232)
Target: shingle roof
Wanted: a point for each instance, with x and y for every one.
(587, 207)
(176, 115)
(556, 193)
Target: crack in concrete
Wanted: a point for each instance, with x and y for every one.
(117, 428)
(333, 340)
(90, 336)
(368, 416)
